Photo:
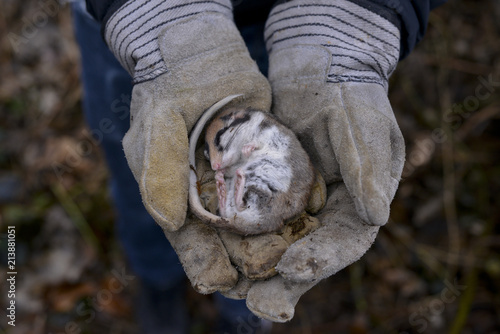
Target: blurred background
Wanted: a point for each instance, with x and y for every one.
(434, 268)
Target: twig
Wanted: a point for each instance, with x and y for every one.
(476, 119)
(444, 257)
(76, 216)
(448, 148)
(356, 278)
(456, 64)
(428, 259)
(471, 282)
(465, 302)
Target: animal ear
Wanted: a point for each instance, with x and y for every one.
(228, 117)
(206, 151)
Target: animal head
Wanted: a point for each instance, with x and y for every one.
(225, 137)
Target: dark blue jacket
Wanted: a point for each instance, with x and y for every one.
(408, 15)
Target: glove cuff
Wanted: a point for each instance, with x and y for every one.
(363, 45)
(132, 31)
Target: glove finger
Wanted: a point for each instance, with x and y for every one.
(369, 148)
(341, 240)
(240, 289)
(275, 299)
(347, 128)
(299, 99)
(203, 257)
(255, 256)
(157, 152)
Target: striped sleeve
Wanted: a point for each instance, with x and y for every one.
(364, 45)
(131, 32)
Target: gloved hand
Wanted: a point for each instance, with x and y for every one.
(329, 66)
(184, 56)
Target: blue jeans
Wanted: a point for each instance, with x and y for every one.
(107, 90)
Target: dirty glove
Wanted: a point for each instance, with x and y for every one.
(329, 66)
(184, 56)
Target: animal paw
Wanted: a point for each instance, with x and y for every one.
(219, 176)
(221, 190)
(248, 149)
(239, 190)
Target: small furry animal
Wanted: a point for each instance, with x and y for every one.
(263, 175)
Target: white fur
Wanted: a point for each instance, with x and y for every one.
(267, 163)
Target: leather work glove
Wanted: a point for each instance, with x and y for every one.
(184, 56)
(329, 66)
